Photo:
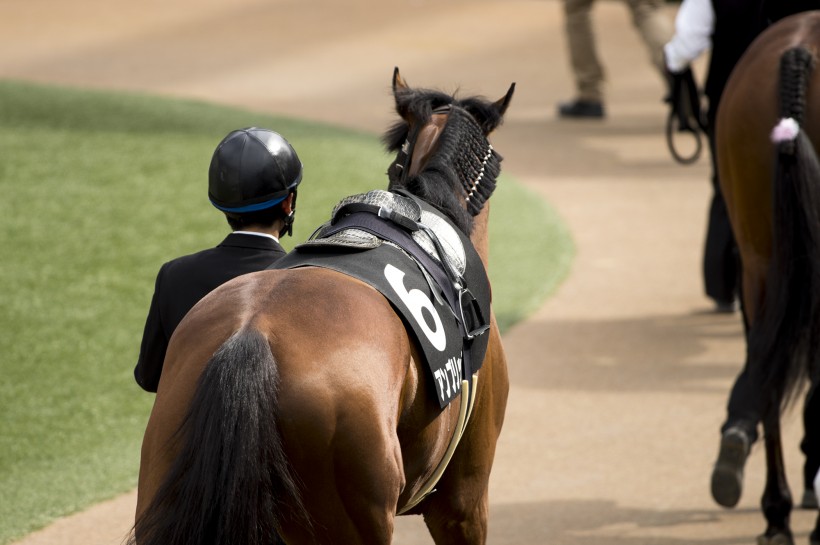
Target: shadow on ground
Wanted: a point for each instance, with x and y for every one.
(593, 522)
(651, 353)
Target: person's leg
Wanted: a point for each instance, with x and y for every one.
(742, 411)
(738, 433)
(720, 260)
(583, 56)
(721, 263)
(655, 28)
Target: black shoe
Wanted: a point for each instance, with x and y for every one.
(809, 500)
(727, 475)
(581, 109)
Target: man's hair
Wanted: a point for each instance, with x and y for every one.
(265, 217)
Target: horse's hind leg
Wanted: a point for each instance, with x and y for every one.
(349, 468)
(777, 499)
(455, 520)
(457, 513)
(350, 507)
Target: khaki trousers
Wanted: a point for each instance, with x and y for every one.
(655, 29)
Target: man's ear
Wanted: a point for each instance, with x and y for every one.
(287, 204)
(289, 209)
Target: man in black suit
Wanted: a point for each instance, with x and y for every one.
(252, 179)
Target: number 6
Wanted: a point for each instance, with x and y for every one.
(417, 301)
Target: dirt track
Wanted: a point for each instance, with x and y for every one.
(619, 381)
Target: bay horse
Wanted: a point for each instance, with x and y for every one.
(293, 404)
(767, 138)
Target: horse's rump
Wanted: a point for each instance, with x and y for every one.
(351, 382)
(772, 194)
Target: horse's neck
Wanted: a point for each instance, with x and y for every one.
(480, 236)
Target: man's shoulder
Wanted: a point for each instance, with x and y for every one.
(190, 260)
(231, 257)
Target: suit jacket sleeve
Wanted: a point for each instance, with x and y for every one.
(154, 344)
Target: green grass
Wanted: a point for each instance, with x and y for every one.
(97, 190)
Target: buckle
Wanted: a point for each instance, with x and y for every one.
(403, 221)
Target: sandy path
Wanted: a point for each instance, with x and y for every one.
(619, 380)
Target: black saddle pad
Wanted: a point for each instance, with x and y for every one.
(419, 301)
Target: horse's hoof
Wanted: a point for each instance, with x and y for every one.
(780, 538)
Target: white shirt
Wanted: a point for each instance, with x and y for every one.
(254, 233)
(694, 25)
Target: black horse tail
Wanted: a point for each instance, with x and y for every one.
(231, 480)
(786, 333)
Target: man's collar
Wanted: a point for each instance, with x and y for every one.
(257, 234)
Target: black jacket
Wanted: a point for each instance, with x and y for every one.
(183, 281)
(737, 24)
(774, 10)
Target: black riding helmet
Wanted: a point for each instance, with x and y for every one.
(252, 169)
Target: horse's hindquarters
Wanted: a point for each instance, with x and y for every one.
(771, 182)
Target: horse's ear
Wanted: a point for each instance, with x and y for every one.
(502, 103)
(398, 83)
(401, 92)
(489, 115)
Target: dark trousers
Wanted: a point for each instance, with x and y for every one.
(742, 410)
(720, 258)
(721, 268)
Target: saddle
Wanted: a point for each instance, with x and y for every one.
(426, 267)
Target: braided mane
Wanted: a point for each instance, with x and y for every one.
(460, 176)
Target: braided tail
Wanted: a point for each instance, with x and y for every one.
(786, 333)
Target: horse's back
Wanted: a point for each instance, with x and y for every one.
(317, 322)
